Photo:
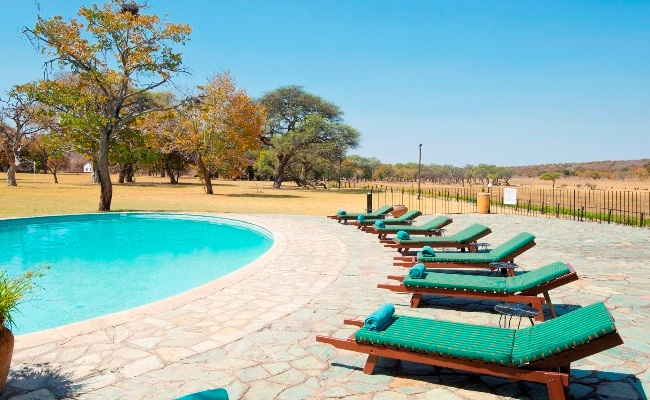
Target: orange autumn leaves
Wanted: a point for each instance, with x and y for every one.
(218, 127)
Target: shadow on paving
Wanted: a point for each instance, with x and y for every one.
(40, 379)
(585, 384)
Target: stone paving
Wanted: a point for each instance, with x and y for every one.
(253, 331)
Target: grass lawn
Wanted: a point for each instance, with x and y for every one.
(39, 195)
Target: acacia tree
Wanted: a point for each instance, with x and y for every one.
(20, 121)
(118, 55)
(316, 146)
(221, 124)
(550, 176)
(288, 109)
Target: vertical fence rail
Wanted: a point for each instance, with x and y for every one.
(603, 206)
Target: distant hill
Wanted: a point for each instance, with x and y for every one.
(592, 169)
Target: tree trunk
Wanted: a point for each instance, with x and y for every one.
(126, 173)
(206, 175)
(279, 177)
(130, 173)
(53, 170)
(173, 179)
(11, 172)
(103, 174)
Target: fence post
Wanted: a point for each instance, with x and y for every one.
(557, 211)
(369, 201)
(641, 221)
(529, 206)
(609, 216)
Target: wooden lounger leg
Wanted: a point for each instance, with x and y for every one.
(370, 364)
(415, 300)
(550, 304)
(557, 385)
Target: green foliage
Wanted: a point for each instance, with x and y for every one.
(13, 290)
(305, 132)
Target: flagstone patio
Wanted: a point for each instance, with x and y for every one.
(253, 331)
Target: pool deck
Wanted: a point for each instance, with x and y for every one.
(253, 331)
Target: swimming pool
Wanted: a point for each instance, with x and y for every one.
(104, 263)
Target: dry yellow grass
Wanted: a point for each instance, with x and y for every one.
(39, 195)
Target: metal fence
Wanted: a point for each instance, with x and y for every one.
(604, 206)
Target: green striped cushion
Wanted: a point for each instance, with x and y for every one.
(381, 210)
(536, 277)
(433, 224)
(563, 333)
(406, 217)
(457, 257)
(468, 234)
(440, 280)
(464, 236)
(512, 245)
(452, 339)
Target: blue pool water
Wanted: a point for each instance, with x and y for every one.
(103, 263)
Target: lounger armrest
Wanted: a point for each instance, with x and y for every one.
(396, 278)
(570, 267)
(355, 322)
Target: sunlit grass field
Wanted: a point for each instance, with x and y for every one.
(39, 195)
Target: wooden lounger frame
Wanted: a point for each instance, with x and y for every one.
(553, 371)
(530, 296)
(405, 247)
(370, 222)
(384, 232)
(409, 261)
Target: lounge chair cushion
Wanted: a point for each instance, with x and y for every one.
(513, 244)
(493, 284)
(427, 226)
(575, 328)
(536, 277)
(493, 255)
(457, 257)
(443, 280)
(445, 338)
(463, 236)
(491, 344)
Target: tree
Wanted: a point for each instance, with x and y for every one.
(52, 151)
(219, 125)
(118, 55)
(287, 132)
(550, 176)
(20, 121)
(323, 145)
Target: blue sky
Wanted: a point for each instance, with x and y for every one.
(497, 82)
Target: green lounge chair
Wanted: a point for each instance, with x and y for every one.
(503, 253)
(431, 228)
(523, 288)
(463, 240)
(377, 214)
(406, 219)
(542, 353)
